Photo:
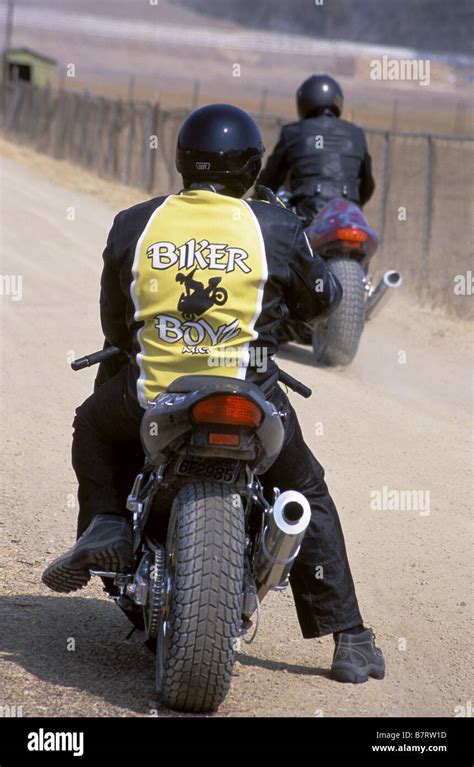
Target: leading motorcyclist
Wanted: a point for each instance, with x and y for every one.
(322, 155)
(261, 254)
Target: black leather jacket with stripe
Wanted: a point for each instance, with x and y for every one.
(199, 282)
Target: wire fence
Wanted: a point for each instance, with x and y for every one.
(422, 207)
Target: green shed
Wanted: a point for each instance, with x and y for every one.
(29, 66)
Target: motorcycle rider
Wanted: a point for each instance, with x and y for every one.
(324, 156)
(267, 269)
(195, 290)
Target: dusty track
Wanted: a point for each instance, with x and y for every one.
(405, 426)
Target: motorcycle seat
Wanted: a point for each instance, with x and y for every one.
(185, 384)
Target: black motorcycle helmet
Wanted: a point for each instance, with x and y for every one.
(220, 144)
(318, 93)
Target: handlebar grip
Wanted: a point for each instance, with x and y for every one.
(296, 386)
(96, 357)
(80, 364)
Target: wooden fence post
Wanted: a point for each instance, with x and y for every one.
(96, 158)
(71, 129)
(84, 120)
(384, 191)
(15, 107)
(60, 110)
(147, 131)
(427, 209)
(155, 117)
(130, 141)
(45, 138)
(34, 116)
(109, 158)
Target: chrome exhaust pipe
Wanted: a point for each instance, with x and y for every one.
(281, 541)
(391, 279)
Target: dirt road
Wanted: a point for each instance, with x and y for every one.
(399, 418)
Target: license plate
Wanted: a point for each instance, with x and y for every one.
(219, 472)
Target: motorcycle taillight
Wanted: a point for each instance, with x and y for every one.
(351, 235)
(228, 409)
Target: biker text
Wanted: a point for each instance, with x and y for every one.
(203, 255)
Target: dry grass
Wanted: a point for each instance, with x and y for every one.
(72, 176)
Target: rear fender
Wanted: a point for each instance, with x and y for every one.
(167, 425)
(340, 214)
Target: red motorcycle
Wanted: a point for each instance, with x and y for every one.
(342, 236)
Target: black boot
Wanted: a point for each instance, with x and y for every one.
(356, 658)
(105, 545)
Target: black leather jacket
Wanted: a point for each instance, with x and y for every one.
(323, 157)
(143, 278)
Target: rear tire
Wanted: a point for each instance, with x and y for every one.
(205, 552)
(336, 340)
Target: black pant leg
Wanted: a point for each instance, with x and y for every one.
(107, 455)
(106, 449)
(309, 207)
(320, 578)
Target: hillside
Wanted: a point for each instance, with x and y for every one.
(432, 25)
